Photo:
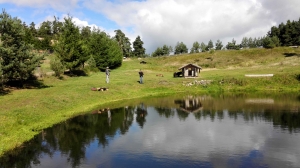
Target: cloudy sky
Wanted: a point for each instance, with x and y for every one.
(160, 22)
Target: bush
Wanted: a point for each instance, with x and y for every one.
(57, 67)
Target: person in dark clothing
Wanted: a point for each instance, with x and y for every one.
(141, 76)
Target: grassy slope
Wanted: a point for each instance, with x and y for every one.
(25, 112)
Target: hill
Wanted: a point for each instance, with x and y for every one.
(25, 112)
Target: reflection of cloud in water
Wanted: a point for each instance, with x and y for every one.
(220, 142)
(197, 140)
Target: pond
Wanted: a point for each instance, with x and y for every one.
(178, 131)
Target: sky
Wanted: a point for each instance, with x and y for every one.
(164, 22)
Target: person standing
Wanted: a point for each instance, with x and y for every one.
(107, 74)
(141, 76)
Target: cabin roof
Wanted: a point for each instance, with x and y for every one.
(191, 65)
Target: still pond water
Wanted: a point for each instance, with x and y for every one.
(183, 131)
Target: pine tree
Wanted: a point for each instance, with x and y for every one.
(181, 48)
(68, 48)
(139, 50)
(195, 48)
(104, 50)
(219, 45)
(210, 45)
(124, 43)
(203, 47)
(18, 59)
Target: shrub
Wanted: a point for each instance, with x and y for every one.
(57, 67)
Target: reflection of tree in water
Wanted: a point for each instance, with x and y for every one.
(128, 119)
(71, 138)
(209, 113)
(26, 155)
(182, 115)
(141, 113)
(166, 112)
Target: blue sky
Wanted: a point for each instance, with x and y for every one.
(160, 22)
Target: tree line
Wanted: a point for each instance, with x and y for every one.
(284, 35)
(23, 47)
(74, 47)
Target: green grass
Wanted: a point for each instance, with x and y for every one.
(25, 112)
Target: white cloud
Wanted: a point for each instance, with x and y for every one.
(171, 21)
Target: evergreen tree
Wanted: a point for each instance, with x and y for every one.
(1, 75)
(85, 36)
(158, 52)
(167, 50)
(68, 48)
(210, 45)
(259, 42)
(29, 35)
(56, 27)
(219, 45)
(233, 46)
(270, 42)
(18, 60)
(195, 48)
(124, 43)
(203, 47)
(45, 29)
(104, 50)
(139, 50)
(181, 48)
(245, 42)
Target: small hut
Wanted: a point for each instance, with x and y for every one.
(190, 70)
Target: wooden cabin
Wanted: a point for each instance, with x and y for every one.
(190, 70)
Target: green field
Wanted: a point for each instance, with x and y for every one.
(25, 112)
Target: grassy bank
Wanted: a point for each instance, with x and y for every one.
(25, 112)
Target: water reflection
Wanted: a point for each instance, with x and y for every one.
(193, 131)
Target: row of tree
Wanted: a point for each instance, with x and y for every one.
(181, 48)
(284, 35)
(74, 47)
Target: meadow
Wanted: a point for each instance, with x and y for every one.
(26, 112)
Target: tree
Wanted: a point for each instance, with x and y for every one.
(210, 45)
(259, 42)
(29, 35)
(68, 48)
(104, 50)
(45, 29)
(139, 50)
(167, 49)
(124, 43)
(233, 46)
(270, 42)
(160, 51)
(195, 48)
(1, 75)
(219, 45)
(56, 27)
(203, 47)
(18, 62)
(245, 42)
(181, 48)
(85, 36)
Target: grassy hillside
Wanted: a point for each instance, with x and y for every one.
(25, 112)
